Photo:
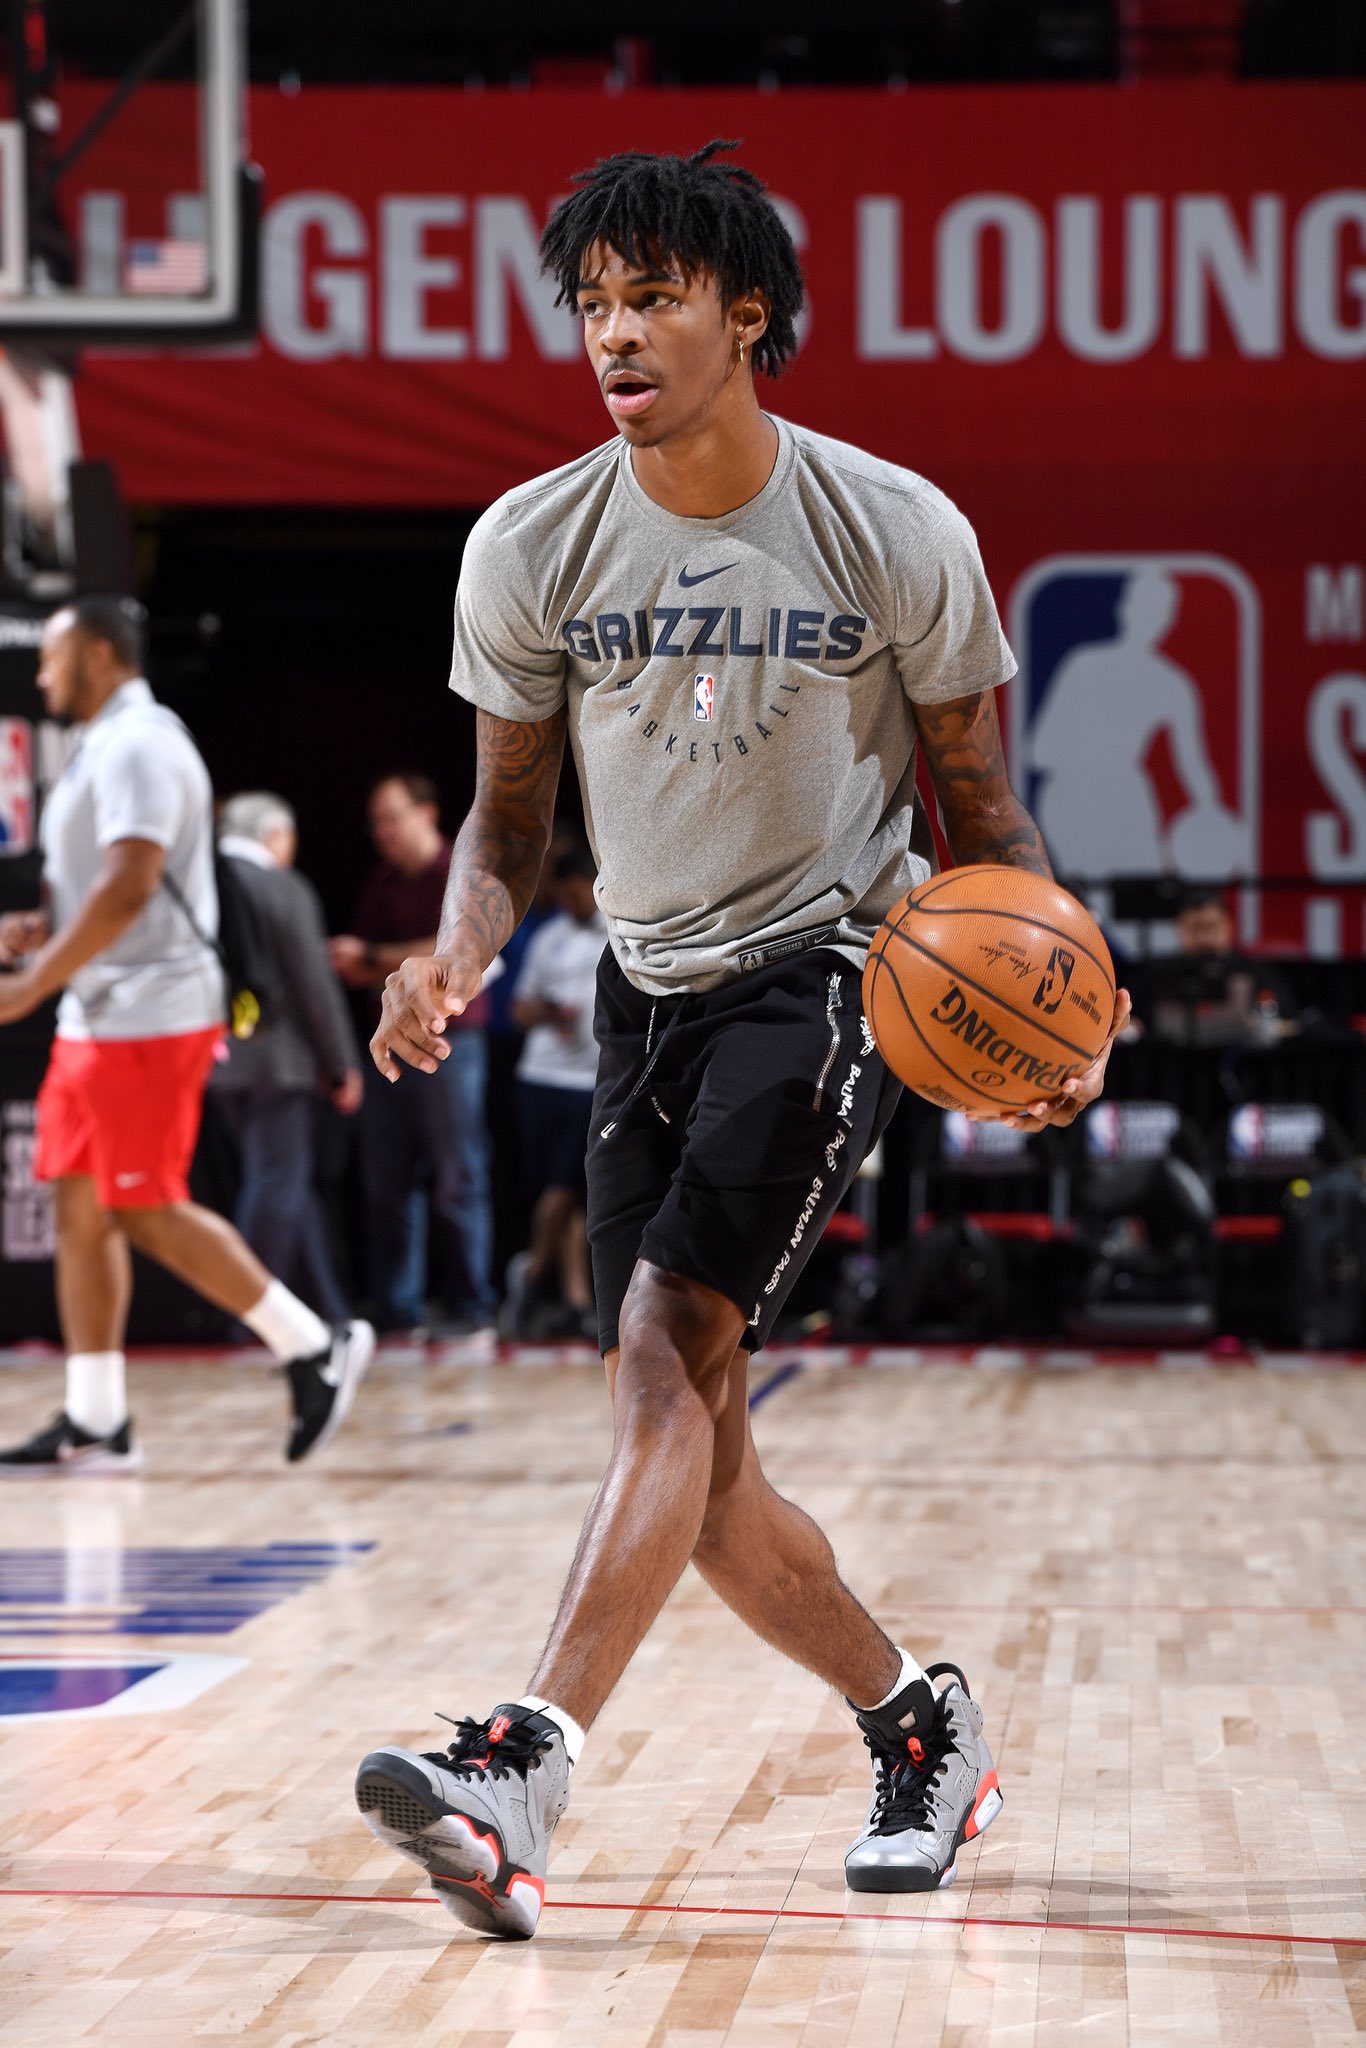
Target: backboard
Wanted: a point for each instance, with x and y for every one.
(127, 208)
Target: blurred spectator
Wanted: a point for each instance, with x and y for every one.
(424, 1133)
(268, 1088)
(553, 1004)
(510, 1204)
(1208, 993)
(128, 866)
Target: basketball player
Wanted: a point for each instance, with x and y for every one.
(745, 630)
(128, 864)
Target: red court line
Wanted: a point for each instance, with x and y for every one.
(705, 1912)
(1113, 1607)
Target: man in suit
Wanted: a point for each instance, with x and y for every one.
(268, 1089)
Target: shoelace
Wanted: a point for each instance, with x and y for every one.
(477, 1751)
(906, 1779)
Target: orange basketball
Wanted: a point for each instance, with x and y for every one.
(988, 987)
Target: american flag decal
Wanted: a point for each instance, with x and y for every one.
(165, 268)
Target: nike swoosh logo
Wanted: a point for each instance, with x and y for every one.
(686, 581)
(129, 1180)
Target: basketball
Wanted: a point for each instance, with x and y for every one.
(988, 987)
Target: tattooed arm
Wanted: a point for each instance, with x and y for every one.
(494, 870)
(985, 820)
(983, 817)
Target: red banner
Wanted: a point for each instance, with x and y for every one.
(1125, 328)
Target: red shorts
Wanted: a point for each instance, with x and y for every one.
(127, 1111)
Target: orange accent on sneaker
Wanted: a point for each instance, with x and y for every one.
(917, 1749)
(478, 1885)
(989, 1784)
(499, 1728)
(491, 1842)
(484, 1889)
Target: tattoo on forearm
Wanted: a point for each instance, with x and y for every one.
(502, 842)
(983, 817)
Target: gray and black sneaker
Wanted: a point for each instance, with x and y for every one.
(62, 1449)
(934, 1787)
(477, 1817)
(324, 1387)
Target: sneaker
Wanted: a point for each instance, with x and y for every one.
(478, 1816)
(62, 1447)
(473, 1336)
(324, 1387)
(522, 1296)
(934, 1787)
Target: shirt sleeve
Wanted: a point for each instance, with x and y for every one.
(501, 662)
(949, 637)
(139, 792)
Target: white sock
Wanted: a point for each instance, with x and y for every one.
(96, 1397)
(910, 1671)
(286, 1325)
(574, 1736)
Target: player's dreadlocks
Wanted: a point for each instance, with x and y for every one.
(702, 215)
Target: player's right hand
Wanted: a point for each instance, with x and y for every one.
(21, 933)
(418, 998)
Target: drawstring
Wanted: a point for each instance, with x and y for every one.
(651, 1062)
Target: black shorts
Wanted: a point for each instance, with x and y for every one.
(726, 1129)
(553, 1127)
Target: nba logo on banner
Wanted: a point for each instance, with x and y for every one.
(703, 696)
(1134, 717)
(16, 786)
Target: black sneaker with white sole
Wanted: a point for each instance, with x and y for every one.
(325, 1386)
(64, 1449)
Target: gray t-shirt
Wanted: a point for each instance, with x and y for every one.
(740, 690)
(137, 774)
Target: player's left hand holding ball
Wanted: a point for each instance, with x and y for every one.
(418, 998)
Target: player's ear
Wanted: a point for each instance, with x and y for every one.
(749, 317)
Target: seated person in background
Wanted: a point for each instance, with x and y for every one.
(553, 1004)
(1208, 993)
(267, 1089)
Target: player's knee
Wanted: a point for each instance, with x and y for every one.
(677, 1339)
(77, 1213)
(141, 1227)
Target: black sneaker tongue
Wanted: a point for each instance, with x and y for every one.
(910, 1712)
(510, 1715)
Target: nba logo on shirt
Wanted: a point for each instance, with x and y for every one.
(1134, 717)
(703, 696)
(16, 786)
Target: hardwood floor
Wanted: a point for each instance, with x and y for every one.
(1155, 1581)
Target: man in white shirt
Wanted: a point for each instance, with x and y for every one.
(555, 1080)
(128, 851)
